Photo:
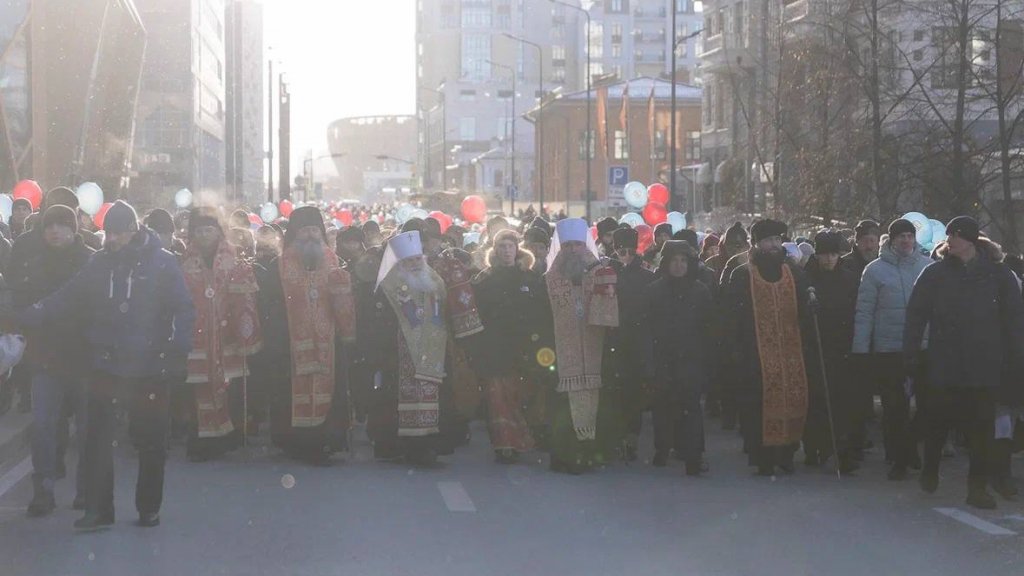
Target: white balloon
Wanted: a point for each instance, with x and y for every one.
(90, 198)
(632, 219)
(6, 206)
(677, 220)
(269, 212)
(183, 198)
(635, 194)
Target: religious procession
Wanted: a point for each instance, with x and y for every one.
(209, 327)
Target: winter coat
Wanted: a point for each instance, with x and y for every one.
(836, 292)
(516, 314)
(882, 300)
(676, 331)
(741, 334)
(623, 356)
(975, 317)
(136, 310)
(855, 263)
(58, 348)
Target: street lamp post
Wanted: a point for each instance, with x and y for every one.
(672, 152)
(310, 163)
(540, 128)
(512, 196)
(444, 133)
(589, 143)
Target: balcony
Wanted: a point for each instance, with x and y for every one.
(725, 52)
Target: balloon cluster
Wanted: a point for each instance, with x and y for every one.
(930, 232)
(652, 202)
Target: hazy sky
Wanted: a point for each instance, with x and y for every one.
(342, 58)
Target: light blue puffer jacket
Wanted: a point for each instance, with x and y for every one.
(882, 300)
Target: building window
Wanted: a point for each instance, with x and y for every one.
(467, 95)
(503, 14)
(617, 71)
(596, 40)
(617, 6)
(739, 29)
(621, 148)
(719, 108)
(918, 55)
(681, 6)
(709, 102)
(616, 50)
(499, 179)
(476, 51)
(449, 15)
(476, 13)
(558, 75)
(467, 128)
(504, 130)
(582, 138)
(945, 70)
(691, 152)
(616, 34)
(660, 151)
(918, 35)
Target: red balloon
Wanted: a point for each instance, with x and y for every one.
(655, 213)
(474, 209)
(286, 208)
(657, 192)
(645, 237)
(593, 232)
(443, 219)
(29, 190)
(99, 217)
(344, 216)
(254, 219)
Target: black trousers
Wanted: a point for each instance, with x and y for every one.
(897, 429)
(145, 400)
(678, 420)
(970, 410)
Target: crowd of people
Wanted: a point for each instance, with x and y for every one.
(561, 337)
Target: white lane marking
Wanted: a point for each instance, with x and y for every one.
(14, 475)
(1014, 517)
(975, 522)
(455, 497)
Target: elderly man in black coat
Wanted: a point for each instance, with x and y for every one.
(971, 305)
(675, 321)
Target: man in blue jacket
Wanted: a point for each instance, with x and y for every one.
(137, 313)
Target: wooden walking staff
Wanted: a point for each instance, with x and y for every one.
(812, 300)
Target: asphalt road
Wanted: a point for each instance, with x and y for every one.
(256, 513)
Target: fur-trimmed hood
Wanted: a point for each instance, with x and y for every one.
(988, 248)
(524, 258)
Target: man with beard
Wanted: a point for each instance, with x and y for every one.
(55, 359)
(866, 234)
(268, 245)
(675, 316)
(624, 361)
(411, 413)
(836, 292)
(308, 318)
(516, 317)
(584, 306)
(771, 327)
(133, 299)
(223, 289)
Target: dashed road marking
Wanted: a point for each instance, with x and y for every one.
(15, 475)
(975, 522)
(455, 497)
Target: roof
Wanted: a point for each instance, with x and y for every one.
(639, 91)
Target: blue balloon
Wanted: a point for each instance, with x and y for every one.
(677, 220)
(921, 224)
(632, 219)
(269, 212)
(404, 212)
(938, 232)
(6, 206)
(635, 194)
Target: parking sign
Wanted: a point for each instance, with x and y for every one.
(618, 175)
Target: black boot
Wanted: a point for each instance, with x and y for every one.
(1005, 487)
(660, 460)
(43, 503)
(898, 473)
(94, 521)
(978, 497)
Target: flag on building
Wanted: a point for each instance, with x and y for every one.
(602, 120)
(651, 127)
(624, 116)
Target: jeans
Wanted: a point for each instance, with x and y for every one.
(146, 402)
(54, 399)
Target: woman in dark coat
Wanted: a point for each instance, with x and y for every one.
(513, 304)
(676, 322)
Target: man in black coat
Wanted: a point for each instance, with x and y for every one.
(970, 303)
(836, 294)
(675, 321)
(54, 357)
(867, 235)
(623, 356)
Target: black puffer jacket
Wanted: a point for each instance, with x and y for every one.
(975, 319)
(676, 335)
